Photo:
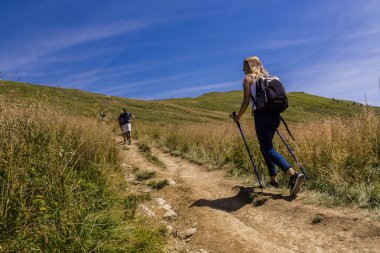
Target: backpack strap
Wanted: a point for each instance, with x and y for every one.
(262, 86)
(287, 129)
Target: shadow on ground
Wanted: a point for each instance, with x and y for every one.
(245, 195)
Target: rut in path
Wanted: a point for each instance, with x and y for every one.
(229, 220)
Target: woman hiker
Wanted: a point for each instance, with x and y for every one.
(125, 120)
(266, 126)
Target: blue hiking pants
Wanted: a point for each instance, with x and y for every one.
(266, 126)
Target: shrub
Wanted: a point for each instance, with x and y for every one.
(159, 185)
(144, 175)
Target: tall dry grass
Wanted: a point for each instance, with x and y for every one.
(342, 156)
(58, 186)
(199, 142)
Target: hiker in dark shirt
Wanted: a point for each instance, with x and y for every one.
(266, 125)
(125, 120)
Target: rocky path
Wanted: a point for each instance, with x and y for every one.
(211, 213)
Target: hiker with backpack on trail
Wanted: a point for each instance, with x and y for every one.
(125, 120)
(268, 101)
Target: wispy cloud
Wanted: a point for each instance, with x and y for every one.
(82, 56)
(190, 91)
(100, 72)
(349, 64)
(56, 41)
(283, 43)
(363, 33)
(352, 78)
(120, 89)
(92, 33)
(109, 73)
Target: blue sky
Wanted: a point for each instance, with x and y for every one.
(163, 49)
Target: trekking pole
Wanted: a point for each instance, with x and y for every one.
(292, 154)
(249, 153)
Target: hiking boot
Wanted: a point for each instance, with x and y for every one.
(274, 184)
(295, 183)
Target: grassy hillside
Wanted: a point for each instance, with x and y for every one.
(338, 142)
(76, 102)
(214, 106)
(302, 106)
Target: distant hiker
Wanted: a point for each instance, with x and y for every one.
(125, 120)
(102, 115)
(266, 125)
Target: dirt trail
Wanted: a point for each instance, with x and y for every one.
(228, 220)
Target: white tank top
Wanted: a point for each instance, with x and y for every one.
(253, 92)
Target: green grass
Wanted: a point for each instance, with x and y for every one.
(158, 185)
(131, 201)
(146, 151)
(144, 175)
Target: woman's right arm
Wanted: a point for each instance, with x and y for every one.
(247, 97)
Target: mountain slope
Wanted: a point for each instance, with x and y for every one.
(213, 106)
(301, 105)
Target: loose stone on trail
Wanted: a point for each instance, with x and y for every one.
(166, 207)
(160, 201)
(171, 181)
(147, 211)
(186, 233)
(147, 189)
(131, 178)
(170, 215)
(169, 229)
(162, 204)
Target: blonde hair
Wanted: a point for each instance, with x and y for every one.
(254, 64)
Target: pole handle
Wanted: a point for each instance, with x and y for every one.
(232, 115)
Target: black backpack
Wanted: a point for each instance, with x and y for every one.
(125, 118)
(270, 95)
